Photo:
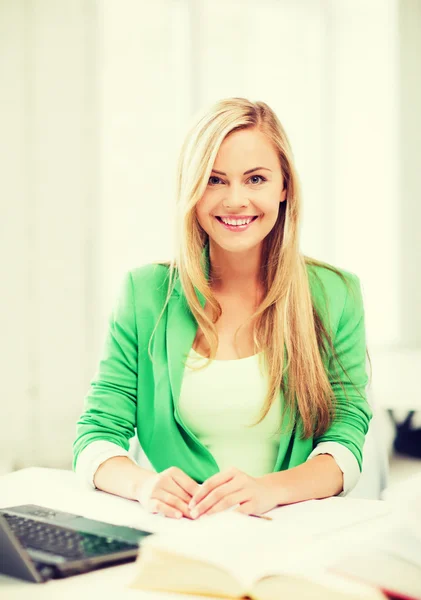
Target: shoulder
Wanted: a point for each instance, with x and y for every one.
(153, 274)
(332, 279)
(150, 284)
(334, 290)
(142, 291)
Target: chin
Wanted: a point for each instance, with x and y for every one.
(236, 247)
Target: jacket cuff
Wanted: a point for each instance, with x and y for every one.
(93, 456)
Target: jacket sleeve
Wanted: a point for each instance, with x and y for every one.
(352, 411)
(110, 405)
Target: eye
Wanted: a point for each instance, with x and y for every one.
(263, 179)
(212, 178)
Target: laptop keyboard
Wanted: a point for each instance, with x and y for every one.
(74, 545)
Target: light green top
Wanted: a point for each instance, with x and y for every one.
(221, 404)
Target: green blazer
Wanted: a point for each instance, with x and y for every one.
(131, 394)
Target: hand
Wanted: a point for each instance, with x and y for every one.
(254, 495)
(168, 493)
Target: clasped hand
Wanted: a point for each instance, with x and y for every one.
(175, 494)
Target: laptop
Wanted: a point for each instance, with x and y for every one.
(39, 543)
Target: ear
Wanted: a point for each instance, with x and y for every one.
(283, 195)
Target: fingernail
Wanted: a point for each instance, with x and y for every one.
(194, 513)
(192, 504)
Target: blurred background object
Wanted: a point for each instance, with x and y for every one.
(95, 99)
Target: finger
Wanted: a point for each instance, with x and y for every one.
(246, 508)
(210, 484)
(171, 500)
(232, 500)
(169, 485)
(185, 482)
(215, 496)
(158, 506)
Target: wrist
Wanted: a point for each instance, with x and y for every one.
(277, 488)
(141, 486)
(319, 477)
(138, 483)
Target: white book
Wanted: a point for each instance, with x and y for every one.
(229, 555)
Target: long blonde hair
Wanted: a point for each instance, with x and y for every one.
(285, 322)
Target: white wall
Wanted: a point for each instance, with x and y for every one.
(15, 367)
(96, 96)
(47, 185)
(365, 163)
(409, 200)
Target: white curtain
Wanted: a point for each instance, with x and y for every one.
(96, 96)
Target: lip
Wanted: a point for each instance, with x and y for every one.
(237, 228)
(235, 216)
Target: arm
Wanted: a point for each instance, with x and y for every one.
(319, 478)
(96, 467)
(105, 428)
(119, 475)
(110, 407)
(353, 413)
(322, 476)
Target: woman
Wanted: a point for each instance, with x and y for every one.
(241, 365)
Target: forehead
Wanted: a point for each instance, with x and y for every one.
(246, 148)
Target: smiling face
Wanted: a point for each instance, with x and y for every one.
(241, 203)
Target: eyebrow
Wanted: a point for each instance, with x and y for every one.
(245, 172)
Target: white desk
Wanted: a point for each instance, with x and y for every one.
(62, 490)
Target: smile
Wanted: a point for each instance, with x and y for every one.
(236, 224)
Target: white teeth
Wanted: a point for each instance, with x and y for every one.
(236, 221)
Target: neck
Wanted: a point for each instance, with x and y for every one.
(235, 272)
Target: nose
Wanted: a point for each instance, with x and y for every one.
(235, 197)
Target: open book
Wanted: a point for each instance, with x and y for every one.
(233, 556)
(391, 562)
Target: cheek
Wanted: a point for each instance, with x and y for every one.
(204, 207)
(269, 207)
(202, 214)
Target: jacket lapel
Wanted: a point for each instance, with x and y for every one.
(181, 331)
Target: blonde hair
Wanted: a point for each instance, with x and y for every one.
(286, 319)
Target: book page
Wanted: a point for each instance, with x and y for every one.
(320, 517)
(389, 573)
(265, 563)
(317, 585)
(247, 548)
(403, 543)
